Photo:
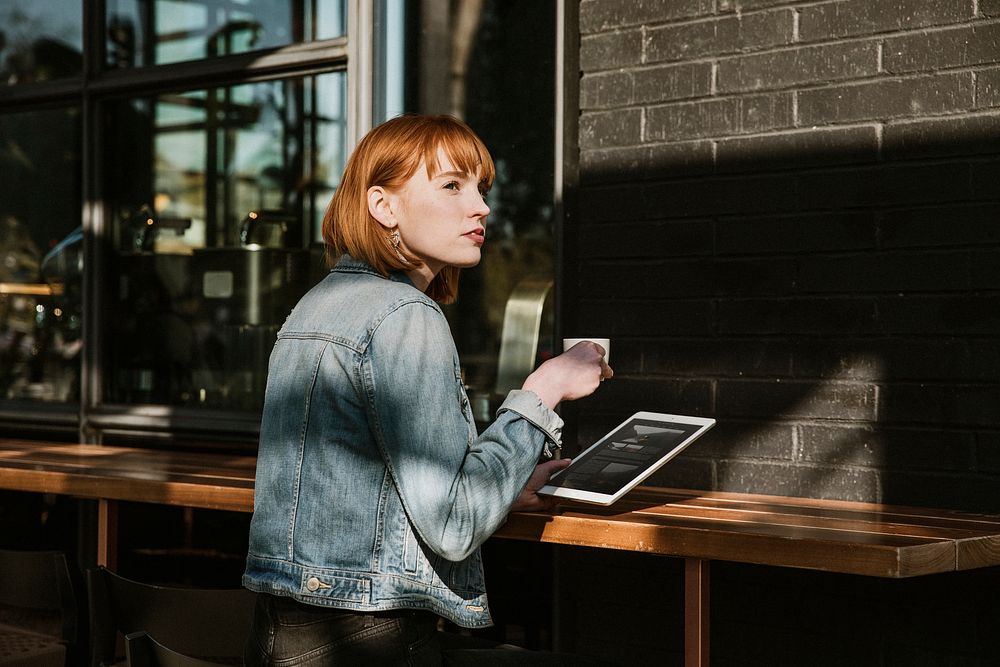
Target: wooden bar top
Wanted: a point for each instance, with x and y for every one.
(835, 536)
(202, 479)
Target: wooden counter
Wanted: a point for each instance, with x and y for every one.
(830, 535)
(212, 481)
(699, 526)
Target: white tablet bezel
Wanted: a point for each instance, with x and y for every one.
(703, 424)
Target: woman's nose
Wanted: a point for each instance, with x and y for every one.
(479, 207)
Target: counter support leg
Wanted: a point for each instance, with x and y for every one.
(107, 533)
(696, 612)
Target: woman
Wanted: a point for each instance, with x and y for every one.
(373, 490)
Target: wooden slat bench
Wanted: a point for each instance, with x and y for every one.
(698, 526)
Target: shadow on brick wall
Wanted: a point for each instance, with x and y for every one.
(833, 299)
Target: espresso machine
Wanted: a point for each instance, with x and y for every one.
(244, 294)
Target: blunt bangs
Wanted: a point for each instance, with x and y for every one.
(465, 150)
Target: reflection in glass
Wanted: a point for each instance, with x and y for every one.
(41, 257)
(40, 40)
(156, 32)
(216, 197)
(483, 62)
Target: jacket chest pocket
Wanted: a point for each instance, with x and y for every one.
(411, 551)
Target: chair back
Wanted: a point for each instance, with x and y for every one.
(142, 650)
(207, 623)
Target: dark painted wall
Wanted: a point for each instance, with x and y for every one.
(788, 218)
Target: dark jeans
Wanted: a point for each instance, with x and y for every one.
(288, 633)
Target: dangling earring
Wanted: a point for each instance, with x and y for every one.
(394, 240)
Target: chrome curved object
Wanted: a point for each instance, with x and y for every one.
(522, 320)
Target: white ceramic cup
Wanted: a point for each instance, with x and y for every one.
(603, 342)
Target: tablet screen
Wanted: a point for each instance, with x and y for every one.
(625, 456)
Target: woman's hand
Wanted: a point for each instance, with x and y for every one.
(529, 500)
(575, 373)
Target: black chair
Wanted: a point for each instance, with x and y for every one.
(38, 612)
(142, 650)
(210, 624)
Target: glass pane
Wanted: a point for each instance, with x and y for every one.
(156, 32)
(41, 255)
(217, 197)
(438, 56)
(40, 40)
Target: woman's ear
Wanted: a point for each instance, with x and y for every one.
(380, 207)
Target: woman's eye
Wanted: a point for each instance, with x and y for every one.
(451, 185)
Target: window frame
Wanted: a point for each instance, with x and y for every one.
(91, 416)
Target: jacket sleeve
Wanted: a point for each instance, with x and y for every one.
(455, 488)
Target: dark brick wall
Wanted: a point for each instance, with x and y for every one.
(788, 218)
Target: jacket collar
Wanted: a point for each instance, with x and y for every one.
(347, 264)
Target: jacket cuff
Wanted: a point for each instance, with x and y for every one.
(530, 407)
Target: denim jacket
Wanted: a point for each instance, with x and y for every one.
(373, 490)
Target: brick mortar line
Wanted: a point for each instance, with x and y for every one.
(820, 169)
(724, 16)
(847, 39)
(877, 38)
(881, 77)
(715, 16)
(797, 128)
(798, 464)
(877, 400)
(882, 252)
(815, 296)
(803, 379)
(827, 170)
(641, 69)
(971, 113)
(975, 20)
(723, 257)
(829, 296)
(715, 139)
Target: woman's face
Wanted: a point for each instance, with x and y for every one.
(441, 219)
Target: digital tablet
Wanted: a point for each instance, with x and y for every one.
(630, 453)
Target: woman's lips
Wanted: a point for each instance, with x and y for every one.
(477, 235)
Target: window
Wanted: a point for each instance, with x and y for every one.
(166, 166)
(41, 40)
(216, 198)
(40, 249)
(140, 33)
(40, 255)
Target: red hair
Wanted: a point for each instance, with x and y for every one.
(388, 156)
